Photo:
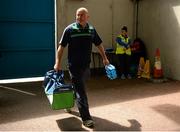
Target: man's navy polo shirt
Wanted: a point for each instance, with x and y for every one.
(79, 41)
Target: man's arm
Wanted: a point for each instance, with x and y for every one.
(59, 55)
(103, 55)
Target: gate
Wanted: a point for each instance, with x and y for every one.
(27, 38)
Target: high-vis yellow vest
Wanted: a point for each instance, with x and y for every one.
(121, 49)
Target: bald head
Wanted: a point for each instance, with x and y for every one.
(82, 16)
(82, 9)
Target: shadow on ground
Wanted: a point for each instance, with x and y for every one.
(17, 106)
(170, 111)
(75, 124)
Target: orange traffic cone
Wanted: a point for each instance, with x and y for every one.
(146, 70)
(140, 67)
(158, 72)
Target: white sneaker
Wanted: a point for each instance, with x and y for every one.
(129, 76)
(123, 76)
(88, 123)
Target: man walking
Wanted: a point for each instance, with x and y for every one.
(79, 36)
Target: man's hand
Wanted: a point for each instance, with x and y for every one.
(106, 62)
(57, 67)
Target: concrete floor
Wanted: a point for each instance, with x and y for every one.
(118, 105)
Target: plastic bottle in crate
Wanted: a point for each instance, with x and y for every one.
(111, 71)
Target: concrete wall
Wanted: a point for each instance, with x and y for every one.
(159, 27)
(107, 16)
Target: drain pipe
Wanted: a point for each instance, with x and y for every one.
(136, 13)
(137, 17)
(112, 11)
